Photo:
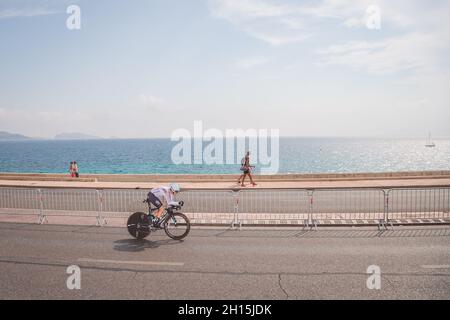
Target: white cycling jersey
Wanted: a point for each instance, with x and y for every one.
(163, 194)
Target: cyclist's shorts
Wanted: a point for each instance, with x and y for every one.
(154, 200)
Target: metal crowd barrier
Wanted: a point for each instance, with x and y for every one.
(200, 204)
(74, 202)
(349, 206)
(418, 203)
(307, 207)
(291, 206)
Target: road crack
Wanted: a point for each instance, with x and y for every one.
(281, 287)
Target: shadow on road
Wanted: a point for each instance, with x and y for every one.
(397, 233)
(136, 245)
(324, 233)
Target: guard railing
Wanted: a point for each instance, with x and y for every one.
(306, 207)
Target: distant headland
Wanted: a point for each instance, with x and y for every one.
(7, 136)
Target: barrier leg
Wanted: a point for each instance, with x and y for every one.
(42, 218)
(306, 223)
(312, 222)
(236, 221)
(101, 221)
(386, 209)
(385, 221)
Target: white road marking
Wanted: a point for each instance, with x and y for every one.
(442, 266)
(153, 263)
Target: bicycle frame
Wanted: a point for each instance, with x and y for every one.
(168, 212)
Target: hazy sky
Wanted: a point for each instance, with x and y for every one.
(143, 68)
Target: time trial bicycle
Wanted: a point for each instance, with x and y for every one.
(175, 224)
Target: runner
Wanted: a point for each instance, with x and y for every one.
(246, 168)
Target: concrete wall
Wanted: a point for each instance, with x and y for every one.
(224, 177)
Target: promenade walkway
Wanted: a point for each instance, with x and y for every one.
(427, 179)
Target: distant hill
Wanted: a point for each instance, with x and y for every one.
(12, 136)
(75, 136)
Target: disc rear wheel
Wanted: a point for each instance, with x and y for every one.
(138, 225)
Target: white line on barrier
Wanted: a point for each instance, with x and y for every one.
(443, 266)
(154, 263)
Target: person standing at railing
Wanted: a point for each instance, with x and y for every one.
(75, 169)
(71, 169)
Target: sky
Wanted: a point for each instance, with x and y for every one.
(144, 68)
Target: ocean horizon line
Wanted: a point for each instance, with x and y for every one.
(30, 139)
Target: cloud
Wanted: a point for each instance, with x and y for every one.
(274, 23)
(354, 13)
(354, 22)
(412, 52)
(284, 22)
(32, 8)
(247, 9)
(251, 62)
(279, 23)
(415, 45)
(26, 12)
(150, 102)
(335, 8)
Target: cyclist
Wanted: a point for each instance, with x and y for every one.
(161, 198)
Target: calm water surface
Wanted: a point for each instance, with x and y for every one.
(297, 155)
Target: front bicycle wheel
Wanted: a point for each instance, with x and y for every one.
(177, 226)
(138, 225)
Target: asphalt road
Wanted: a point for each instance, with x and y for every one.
(224, 264)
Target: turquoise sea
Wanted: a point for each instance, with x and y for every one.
(296, 155)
